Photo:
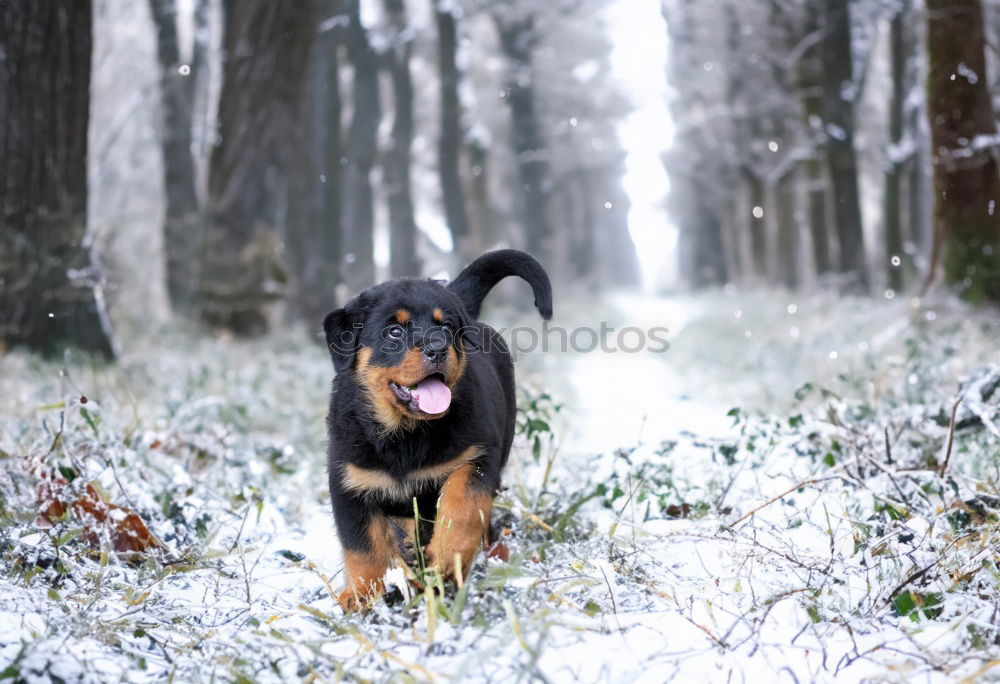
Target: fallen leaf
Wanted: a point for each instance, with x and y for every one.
(499, 550)
(124, 528)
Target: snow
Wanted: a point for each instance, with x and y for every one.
(724, 528)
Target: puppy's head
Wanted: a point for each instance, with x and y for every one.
(403, 341)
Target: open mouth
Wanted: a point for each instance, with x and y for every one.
(431, 395)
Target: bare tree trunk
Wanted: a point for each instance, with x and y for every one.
(358, 223)
(317, 249)
(180, 228)
(482, 225)
(811, 87)
(892, 211)
(312, 214)
(201, 104)
(403, 259)
(841, 157)
(518, 39)
(966, 174)
(787, 237)
(266, 51)
(757, 225)
(49, 295)
(452, 131)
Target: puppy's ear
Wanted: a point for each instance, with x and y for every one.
(342, 328)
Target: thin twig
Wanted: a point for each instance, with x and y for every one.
(770, 501)
(951, 436)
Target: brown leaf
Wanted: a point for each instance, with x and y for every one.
(125, 529)
(499, 550)
(49, 505)
(682, 511)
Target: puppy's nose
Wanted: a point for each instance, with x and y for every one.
(435, 347)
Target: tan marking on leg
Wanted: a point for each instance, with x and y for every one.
(363, 572)
(462, 523)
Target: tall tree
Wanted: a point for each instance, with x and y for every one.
(839, 92)
(315, 244)
(180, 228)
(266, 46)
(358, 223)
(49, 294)
(810, 73)
(403, 259)
(892, 196)
(451, 131)
(518, 38)
(966, 173)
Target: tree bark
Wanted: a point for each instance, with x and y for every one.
(787, 233)
(266, 48)
(180, 227)
(892, 196)
(49, 292)
(838, 76)
(517, 40)
(757, 225)
(452, 131)
(358, 223)
(817, 183)
(966, 174)
(317, 248)
(403, 259)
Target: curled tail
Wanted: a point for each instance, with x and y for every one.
(475, 282)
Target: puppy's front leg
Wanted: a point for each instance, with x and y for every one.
(462, 523)
(368, 547)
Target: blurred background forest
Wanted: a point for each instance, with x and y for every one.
(245, 162)
(801, 191)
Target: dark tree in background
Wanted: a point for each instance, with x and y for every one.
(697, 162)
(450, 132)
(518, 38)
(839, 91)
(893, 199)
(966, 174)
(49, 294)
(315, 248)
(360, 153)
(403, 259)
(810, 86)
(177, 89)
(266, 45)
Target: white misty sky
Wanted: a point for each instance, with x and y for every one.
(639, 59)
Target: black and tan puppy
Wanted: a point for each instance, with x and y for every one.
(422, 409)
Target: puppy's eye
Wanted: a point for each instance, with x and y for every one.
(394, 332)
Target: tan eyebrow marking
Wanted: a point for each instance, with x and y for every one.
(438, 316)
(402, 316)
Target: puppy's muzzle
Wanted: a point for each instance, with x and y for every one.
(434, 347)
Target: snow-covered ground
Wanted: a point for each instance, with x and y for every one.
(762, 499)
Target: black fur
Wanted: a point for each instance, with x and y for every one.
(483, 400)
(475, 282)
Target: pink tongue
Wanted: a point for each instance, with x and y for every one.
(432, 396)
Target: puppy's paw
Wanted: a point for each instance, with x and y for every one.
(353, 600)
